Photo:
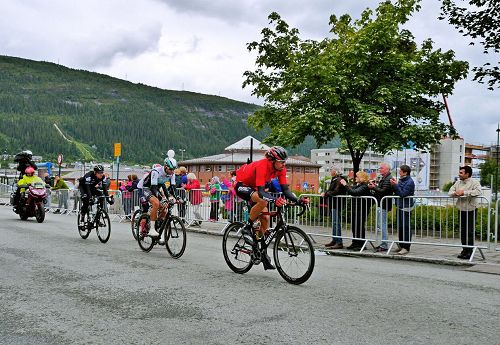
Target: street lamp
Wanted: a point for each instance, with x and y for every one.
(182, 154)
(497, 151)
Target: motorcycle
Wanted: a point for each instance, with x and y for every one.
(32, 200)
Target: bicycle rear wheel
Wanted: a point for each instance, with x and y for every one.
(103, 227)
(134, 223)
(83, 230)
(237, 253)
(145, 242)
(294, 255)
(175, 237)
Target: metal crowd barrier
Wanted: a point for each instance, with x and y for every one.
(5, 191)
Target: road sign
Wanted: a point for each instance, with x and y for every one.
(59, 159)
(118, 149)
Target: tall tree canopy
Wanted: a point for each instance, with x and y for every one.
(368, 84)
(479, 19)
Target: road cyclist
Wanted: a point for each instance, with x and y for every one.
(93, 189)
(251, 179)
(150, 226)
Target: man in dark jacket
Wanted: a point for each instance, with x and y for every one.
(24, 160)
(404, 188)
(336, 204)
(381, 189)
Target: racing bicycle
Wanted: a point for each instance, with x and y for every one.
(97, 219)
(293, 250)
(171, 226)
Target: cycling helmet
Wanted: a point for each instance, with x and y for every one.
(28, 152)
(170, 163)
(156, 165)
(277, 153)
(98, 168)
(29, 171)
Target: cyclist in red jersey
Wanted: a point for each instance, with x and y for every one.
(250, 183)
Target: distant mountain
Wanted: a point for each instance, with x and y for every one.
(49, 108)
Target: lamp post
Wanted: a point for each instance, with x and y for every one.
(182, 154)
(497, 151)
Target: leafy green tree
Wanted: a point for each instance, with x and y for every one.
(369, 84)
(479, 19)
(488, 169)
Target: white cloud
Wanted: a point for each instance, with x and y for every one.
(200, 45)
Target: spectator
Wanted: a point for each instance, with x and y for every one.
(336, 188)
(215, 190)
(404, 188)
(63, 190)
(181, 181)
(360, 208)
(50, 181)
(132, 188)
(195, 198)
(381, 189)
(466, 190)
(127, 196)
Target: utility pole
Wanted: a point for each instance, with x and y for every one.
(497, 151)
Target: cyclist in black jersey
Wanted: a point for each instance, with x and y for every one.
(88, 187)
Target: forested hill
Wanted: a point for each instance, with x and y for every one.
(93, 111)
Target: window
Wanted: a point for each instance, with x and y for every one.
(309, 170)
(221, 168)
(297, 169)
(328, 153)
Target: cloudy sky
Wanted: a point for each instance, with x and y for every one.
(200, 45)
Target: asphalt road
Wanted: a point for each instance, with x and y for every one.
(57, 288)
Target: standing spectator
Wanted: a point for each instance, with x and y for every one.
(466, 190)
(50, 181)
(195, 198)
(181, 181)
(404, 188)
(360, 208)
(215, 190)
(336, 188)
(63, 189)
(127, 196)
(381, 189)
(132, 188)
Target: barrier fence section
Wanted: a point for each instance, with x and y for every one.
(5, 191)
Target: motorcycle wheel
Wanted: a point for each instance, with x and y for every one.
(40, 214)
(23, 214)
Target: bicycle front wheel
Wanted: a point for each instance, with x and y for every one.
(237, 253)
(145, 242)
(294, 255)
(103, 227)
(134, 223)
(83, 230)
(175, 237)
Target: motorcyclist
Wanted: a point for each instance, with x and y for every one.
(29, 178)
(88, 187)
(24, 160)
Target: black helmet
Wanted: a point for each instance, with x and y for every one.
(277, 153)
(98, 168)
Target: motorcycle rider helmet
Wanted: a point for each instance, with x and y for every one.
(170, 163)
(29, 171)
(98, 168)
(277, 153)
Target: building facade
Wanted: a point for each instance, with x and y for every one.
(301, 172)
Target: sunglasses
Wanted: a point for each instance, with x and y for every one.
(281, 161)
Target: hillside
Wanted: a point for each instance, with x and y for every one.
(49, 108)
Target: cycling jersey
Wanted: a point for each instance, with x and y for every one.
(88, 184)
(157, 178)
(257, 173)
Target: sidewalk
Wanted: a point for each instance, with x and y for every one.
(419, 253)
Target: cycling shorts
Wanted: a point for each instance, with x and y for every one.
(244, 192)
(147, 193)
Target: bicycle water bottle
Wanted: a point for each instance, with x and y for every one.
(245, 212)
